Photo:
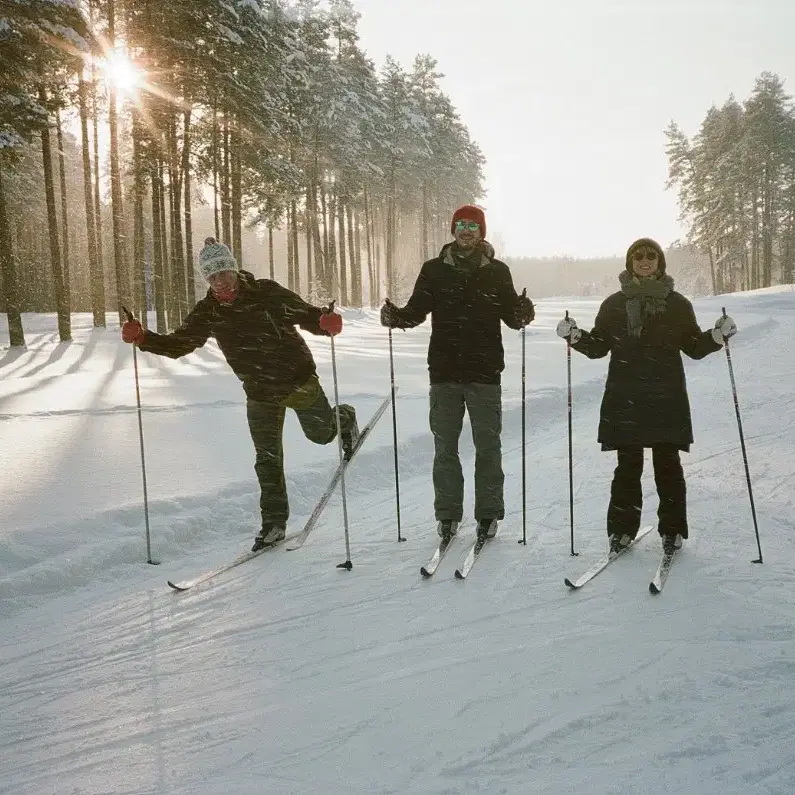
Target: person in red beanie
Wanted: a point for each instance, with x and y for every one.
(254, 323)
(468, 294)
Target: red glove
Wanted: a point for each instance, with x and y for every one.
(132, 331)
(331, 323)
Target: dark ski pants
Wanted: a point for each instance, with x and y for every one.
(266, 423)
(484, 404)
(626, 495)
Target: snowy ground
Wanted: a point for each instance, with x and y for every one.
(288, 675)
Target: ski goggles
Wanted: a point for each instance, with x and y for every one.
(467, 226)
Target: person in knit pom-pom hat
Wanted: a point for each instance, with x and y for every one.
(468, 293)
(254, 323)
(645, 327)
(215, 258)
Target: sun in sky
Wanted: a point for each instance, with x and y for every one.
(121, 73)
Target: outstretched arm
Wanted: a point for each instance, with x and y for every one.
(192, 334)
(597, 342)
(295, 310)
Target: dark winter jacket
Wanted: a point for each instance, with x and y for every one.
(645, 401)
(256, 334)
(466, 305)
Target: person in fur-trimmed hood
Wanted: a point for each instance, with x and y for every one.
(253, 321)
(468, 294)
(646, 326)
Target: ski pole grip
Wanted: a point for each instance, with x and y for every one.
(331, 306)
(130, 316)
(567, 314)
(723, 309)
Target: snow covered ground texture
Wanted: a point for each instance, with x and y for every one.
(288, 675)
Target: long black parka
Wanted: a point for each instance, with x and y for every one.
(645, 401)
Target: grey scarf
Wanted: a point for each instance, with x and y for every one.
(645, 297)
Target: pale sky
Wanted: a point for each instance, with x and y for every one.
(568, 100)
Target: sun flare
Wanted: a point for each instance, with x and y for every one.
(121, 73)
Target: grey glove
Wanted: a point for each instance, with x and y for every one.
(725, 327)
(567, 329)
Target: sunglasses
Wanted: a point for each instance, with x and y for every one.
(641, 255)
(462, 226)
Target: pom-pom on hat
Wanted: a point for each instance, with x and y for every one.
(470, 213)
(215, 257)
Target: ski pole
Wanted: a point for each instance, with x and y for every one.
(742, 442)
(571, 457)
(524, 463)
(347, 564)
(130, 317)
(394, 436)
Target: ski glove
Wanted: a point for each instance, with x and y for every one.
(525, 311)
(390, 316)
(567, 329)
(331, 323)
(132, 331)
(725, 327)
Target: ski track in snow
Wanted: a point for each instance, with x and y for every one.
(289, 676)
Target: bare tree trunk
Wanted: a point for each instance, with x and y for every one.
(237, 193)
(712, 270)
(64, 321)
(95, 272)
(100, 286)
(226, 216)
(326, 249)
(216, 186)
(343, 266)
(290, 271)
(296, 249)
(424, 223)
(768, 230)
(177, 247)
(359, 268)
(139, 259)
(189, 268)
(333, 273)
(270, 251)
(119, 238)
(97, 198)
(168, 292)
(158, 274)
(64, 212)
(310, 279)
(355, 293)
(391, 234)
(369, 243)
(320, 264)
(8, 274)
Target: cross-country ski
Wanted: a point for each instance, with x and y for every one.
(603, 562)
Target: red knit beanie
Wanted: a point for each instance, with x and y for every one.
(470, 213)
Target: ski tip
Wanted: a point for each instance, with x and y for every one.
(425, 572)
(653, 588)
(458, 575)
(569, 583)
(176, 587)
